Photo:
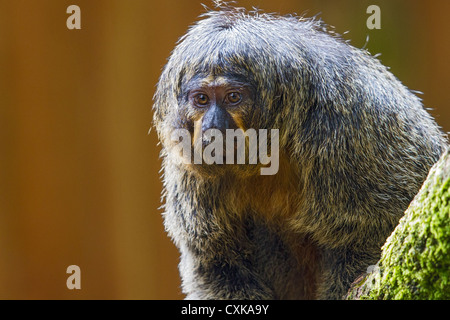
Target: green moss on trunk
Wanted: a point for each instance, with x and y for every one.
(415, 261)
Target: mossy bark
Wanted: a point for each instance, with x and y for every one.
(415, 261)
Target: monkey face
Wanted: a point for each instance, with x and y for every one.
(212, 107)
(216, 103)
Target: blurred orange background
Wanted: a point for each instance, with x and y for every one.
(79, 181)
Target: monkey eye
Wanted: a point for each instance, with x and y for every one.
(201, 99)
(234, 97)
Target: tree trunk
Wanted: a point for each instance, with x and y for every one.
(415, 260)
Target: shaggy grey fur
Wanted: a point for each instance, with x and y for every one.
(357, 146)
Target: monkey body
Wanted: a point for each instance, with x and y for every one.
(355, 146)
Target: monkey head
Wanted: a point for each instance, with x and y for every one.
(215, 84)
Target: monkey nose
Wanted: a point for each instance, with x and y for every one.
(216, 121)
